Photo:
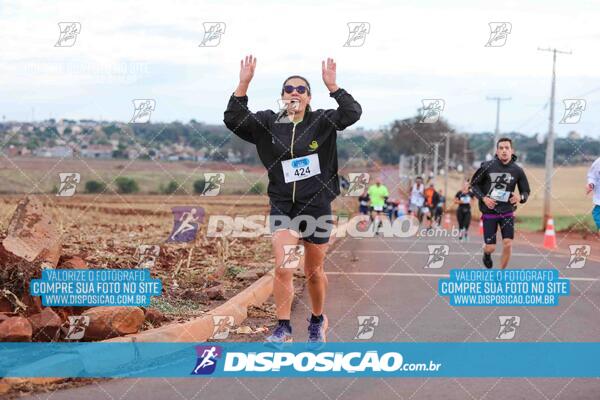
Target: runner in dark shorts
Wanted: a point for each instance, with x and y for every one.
(298, 148)
(295, 219)
(463, 199)
(494, 184)
(491, 223)
(363, 203)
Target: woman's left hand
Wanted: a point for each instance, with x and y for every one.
(329, 75)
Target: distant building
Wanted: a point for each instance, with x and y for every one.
(98, 151)
(180, 156)
(56, 151)
(200, 155)
(573, 135)
(132, 154)
(15, 151)
(233, 158)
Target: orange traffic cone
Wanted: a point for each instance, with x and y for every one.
(447, 223)
(550, 235)
(481, 226)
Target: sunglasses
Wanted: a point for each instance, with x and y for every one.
(290, 89)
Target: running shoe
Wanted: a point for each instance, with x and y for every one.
(316, 331)
(487, 260)
(281, 334)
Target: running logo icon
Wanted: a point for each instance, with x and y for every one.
(221, 326)
(499, 184)
(579, 255)
(212, 184)
(68, 34)
(358, 182)
(77, 326)
(287, 109)
(431, 110)
(437, 255)
(147, 255)
(212, 34)
(292, 253)
(366, 326)
(207, 359)
(68, 183)
(508, 327)
(187, 220)
(357, 33)
(498, 33)
(142, 110)
(573, 110)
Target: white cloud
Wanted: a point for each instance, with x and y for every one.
(427, 49)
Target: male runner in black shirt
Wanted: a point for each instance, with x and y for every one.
(494, 185)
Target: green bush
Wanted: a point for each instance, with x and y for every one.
(171, 188)
(257, 188)
(126, 185)
(95, 187)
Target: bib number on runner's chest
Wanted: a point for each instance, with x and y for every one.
(300, 168)
(500, 195)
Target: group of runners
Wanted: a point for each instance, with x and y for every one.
(297, 146)
(426, 204)
(493, 185)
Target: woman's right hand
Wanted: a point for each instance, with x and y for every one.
(247, 67)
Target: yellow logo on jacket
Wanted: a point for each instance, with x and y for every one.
(313, 145)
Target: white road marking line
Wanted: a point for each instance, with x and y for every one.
(453, 253)
(411, 274)
(388, 274)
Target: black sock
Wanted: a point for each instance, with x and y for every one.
(286, 323)
(314, 318)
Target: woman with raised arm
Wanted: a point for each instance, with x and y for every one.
(297, 146)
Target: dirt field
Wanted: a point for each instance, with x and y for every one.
(106, 232)
(27, 175)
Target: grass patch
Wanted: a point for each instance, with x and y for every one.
(233, 271)
(579, 223)
(175, 307)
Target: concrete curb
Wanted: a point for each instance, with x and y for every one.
(201, 328)
(197, 330)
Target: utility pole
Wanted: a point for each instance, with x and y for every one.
(550, 142)
(436, 151)
(497, 131)
(401, 166)
(446, 164)
(465, 155)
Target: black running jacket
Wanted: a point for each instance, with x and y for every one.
(278, 139)
(494, 174)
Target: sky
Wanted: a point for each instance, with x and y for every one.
(414, 50)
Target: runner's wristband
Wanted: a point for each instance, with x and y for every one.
(524, 197)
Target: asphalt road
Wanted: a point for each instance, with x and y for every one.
(387, 278)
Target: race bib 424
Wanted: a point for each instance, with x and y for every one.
(300, 168)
